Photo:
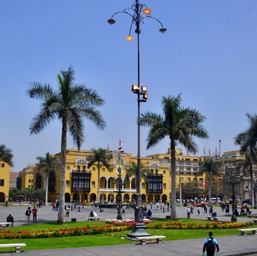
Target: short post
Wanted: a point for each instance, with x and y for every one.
(122, 235)
(112, 234)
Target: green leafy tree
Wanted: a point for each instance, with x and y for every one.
(27, 193)
(14, 194)
(211, 168)
(47, 164)
(6, 155)
(191, 189)
(38, 194)
(247, 140)
(101, 157)
(70, 104)
(179, 124)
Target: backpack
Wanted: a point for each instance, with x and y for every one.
(210, 246)
(27, 213)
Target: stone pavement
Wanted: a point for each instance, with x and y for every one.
(229, 245)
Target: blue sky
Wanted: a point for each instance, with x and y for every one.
(209, 54)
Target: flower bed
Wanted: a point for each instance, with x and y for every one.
(117, 227)
(208, 225)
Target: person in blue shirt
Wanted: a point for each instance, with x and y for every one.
(214, 214)
(210, 245)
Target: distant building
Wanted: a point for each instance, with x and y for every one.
(25, 177)
(13, 179)
(234, 160)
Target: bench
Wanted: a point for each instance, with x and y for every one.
(17, 246)
(212, 218)
(245, 213)
(245, 230)
(6, 224)
(143, 239)
(93, 218)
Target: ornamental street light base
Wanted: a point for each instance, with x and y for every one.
(139, 226)
(234, 218)
(138, 231)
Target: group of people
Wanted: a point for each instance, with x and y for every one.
(190, 210)
(159, 206)
(34, 212)
(28, 212)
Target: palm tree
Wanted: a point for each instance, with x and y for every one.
(247, 140)
(47, 164)
(247, 166)
(6, 155)
(70, 104)
(101, 157)
(132, 171)
(180, 125)
(211, 169)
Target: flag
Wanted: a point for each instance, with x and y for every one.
(120, 145)
(203, 184)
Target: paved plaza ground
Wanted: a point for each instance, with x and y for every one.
(232, 245)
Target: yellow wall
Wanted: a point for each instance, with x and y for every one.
(4, 181)
(27, 176)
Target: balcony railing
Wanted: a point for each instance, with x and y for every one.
(80, 189)
(125, 190)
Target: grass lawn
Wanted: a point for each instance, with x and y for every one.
(107, 238)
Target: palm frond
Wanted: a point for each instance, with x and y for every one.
(6, 155)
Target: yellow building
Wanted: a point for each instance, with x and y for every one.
(5, 170)
(82, 182)
(189, 185)
(26, 177)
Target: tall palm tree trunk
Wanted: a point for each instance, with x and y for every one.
(46, 187)
(61, 218)
(173, 214)
(252, 188)
(209, 188)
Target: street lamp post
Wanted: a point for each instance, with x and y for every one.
(119, 197)
(138, 12)
(119, 163)
(232, 178)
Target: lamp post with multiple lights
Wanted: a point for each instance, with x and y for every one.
(232, 177)
(138, 12)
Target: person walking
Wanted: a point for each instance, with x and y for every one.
(34, 213)
(188, 212)
(210, 245)
(198, 211)
(67, 211)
